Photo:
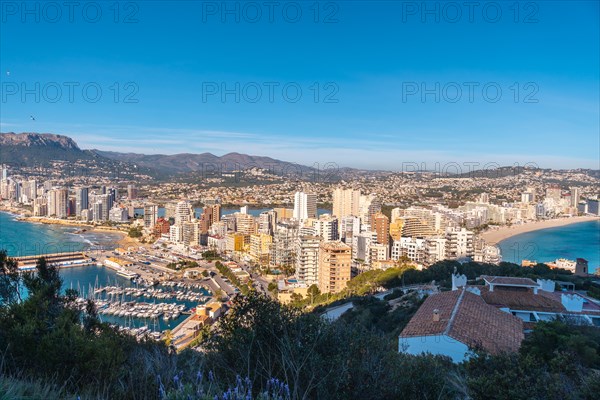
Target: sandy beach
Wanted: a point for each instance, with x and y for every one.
(493, 236)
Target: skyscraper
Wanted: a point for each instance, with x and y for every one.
(575, 196)
(97, 211)
(81, 200)
(305, 206)
(131, 192)
(58, 201)
(183, 212)
(150, 215)
(106, 201)
(346, 202)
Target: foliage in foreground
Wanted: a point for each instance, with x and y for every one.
(265, 350)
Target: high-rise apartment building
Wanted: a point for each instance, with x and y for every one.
(361, 250)
(58, 201)
(131, 192)
(259, 247)
(305, 206)
(118, 214)
(191, 233)
(553, 192)
(170, 210)
(396, 228)
(150, 215)
(575, 196)
(326, 227)
(527, 197)
(350, 226)
(283, 213)
(334, 266)
(40, 208)
(346, 202)
(459, 243)
(284, 240)
(97, 211)
(382, 228)
(183, 212)
(266, 222)
(307, 258)
(245, 224)
(81, 200)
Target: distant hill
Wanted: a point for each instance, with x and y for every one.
(28, 149)
(40, 149)
(187, 162)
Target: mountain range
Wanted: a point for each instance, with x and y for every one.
(34, 149)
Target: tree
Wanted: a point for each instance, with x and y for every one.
(313, 291)
(272, 287)
(9, 280)
(548, 339)
(135, 232)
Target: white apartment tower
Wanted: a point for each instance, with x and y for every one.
(150, 215)
(305, 206)
(307, 259)
(183, 212)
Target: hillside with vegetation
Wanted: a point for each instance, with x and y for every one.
(51, 347)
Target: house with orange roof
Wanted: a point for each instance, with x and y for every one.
(456, 322)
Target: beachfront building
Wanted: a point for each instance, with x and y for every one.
(459, 243)
(118, 214)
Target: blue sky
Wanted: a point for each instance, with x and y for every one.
(387, 75)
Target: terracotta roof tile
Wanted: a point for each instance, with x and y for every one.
(466, 317)
(508, 280)
(521, 300)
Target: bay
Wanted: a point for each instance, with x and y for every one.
(580, 240)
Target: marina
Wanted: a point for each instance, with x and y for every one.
(138, 304)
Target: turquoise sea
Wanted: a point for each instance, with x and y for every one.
(580, 240)
(26, 238)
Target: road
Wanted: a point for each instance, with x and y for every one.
(259, 283)
(228, 289)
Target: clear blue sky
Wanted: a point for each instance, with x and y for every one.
(373, 58)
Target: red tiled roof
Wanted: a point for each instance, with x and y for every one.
(467, 318)
(521, 300)
(509, 280)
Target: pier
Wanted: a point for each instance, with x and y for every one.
(67, 259)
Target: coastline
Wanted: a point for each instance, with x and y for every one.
(495, 236)
(123, 241)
